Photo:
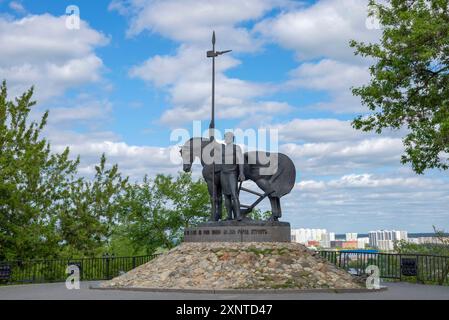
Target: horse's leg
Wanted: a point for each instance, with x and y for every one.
(219, 197)
(212, 209)
(274, 209)
(215, 211)
(278, 206)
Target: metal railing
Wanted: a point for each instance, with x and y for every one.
(54, 270)
(422, 268)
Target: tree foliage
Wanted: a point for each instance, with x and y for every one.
(47, 210)
(441, 248)
(90, 211)
(154, 213)
(33, 181)
(409, 85)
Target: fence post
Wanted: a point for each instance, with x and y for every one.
(134, 262)
(106, 256)
(417, 269)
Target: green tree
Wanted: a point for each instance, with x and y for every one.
(155, 212)
(46, 210)
(409, 85)
(88, 218)
(258, 214)
(33, 182)
(441, 248)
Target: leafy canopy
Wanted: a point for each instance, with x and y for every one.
(48, 211)
(409, 85)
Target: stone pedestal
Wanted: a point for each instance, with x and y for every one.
(238, 265)
(239, 231)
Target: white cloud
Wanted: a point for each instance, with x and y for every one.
(336, 78)
(328, 75)
(361, 202)
(317, 130)
(17, 7)
(191, 21)
(39, 50)
(186, 78)
(336, 158)
(322, 29)
(321, 33)
(83, 112)
(134, 161)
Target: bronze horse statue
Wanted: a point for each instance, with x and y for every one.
(274, 180)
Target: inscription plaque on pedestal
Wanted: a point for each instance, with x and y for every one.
(239, 231)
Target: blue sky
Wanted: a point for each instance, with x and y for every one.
(136, 69)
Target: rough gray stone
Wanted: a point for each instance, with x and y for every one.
(237, 265)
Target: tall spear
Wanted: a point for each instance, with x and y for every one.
(212, 54)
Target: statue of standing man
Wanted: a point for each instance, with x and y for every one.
(231, 173)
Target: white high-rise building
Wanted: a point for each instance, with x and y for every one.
(351, 236)
(362, 242)
(384, 239)
(304, 235)
(385, 245)
(401, 235)
(326, 239)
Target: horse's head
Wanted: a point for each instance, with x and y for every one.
(187, 155)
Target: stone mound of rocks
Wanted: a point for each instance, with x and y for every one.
(218, 265)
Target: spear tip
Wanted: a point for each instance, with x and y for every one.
(213, 37)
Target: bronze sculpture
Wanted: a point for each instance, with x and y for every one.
(223, 173)
(275, 184)
(231, 172)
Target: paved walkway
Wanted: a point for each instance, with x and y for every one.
(58, 291)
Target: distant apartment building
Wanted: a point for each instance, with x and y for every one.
(401, 235)
(304, 235)
(384, 239)
(313, 237)
(351, 236)
(425, 240)
(362, 242)
(385, 245)
(326, 239)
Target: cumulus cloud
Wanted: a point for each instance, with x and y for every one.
(82, 111)
(317, 130)
(328, 74)
(191, 21)
(39, 50)
(319, 34)
(17, 7)
(322, 29)
(134, 161)
(363, 202)
(186, 78)
(335, 77)
(336, 158)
